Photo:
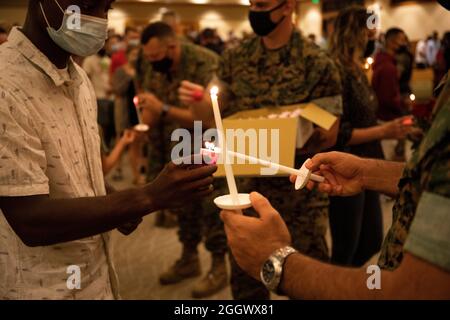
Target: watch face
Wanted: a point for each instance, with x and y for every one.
(268, 272)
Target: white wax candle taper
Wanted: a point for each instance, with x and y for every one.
(222, 142)
(276, 166)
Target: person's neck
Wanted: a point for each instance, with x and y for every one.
(280, 36)
(45, 44)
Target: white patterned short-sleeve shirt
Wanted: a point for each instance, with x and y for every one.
(49, 145)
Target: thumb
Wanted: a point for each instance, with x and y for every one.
(262, 205)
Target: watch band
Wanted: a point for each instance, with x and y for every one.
(277, 259)
(165, 110)
(282, 254)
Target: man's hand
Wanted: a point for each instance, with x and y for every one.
(343, 173)
(253, 240)
(130, 227)
(190, 93)
(150, 102)
(178, 185)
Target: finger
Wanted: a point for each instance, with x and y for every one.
(325, 188)
(262, 205)
(199, 173)
(191, 86)
(203, 193)
(293, 178)
(199, 184)
(310, 185)
(329, 176)
(320, 159)
(233, 221)
(185, 91)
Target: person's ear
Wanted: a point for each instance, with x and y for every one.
(289, 8)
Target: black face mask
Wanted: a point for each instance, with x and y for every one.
(163, 66)
(370, 48)
(261, 21)
(402, 49)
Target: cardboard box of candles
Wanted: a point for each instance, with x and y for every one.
(271, 134)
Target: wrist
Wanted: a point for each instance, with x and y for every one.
(285, 283)
(381, 132)
(147, 199)
(165, 108)
(370, 173)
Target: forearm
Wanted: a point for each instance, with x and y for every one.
(366, 135)
(306, 278)
(43, 221)
(110, 161)
(184, 117)
(382, 176)
(203, 112)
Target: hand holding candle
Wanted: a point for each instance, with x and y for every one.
(141, 127)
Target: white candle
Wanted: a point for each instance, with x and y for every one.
(269, 164)
(222, 142)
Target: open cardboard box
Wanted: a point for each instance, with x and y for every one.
(293, 133)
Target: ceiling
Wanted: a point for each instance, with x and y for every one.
(208, 2)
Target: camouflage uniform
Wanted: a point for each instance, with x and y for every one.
(428, 170)
(255, 77)
(197, 65)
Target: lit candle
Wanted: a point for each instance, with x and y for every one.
(222, 142)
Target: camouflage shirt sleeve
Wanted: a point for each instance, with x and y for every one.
(324, 79)
(208, 64)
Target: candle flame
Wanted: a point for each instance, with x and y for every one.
(370, 61)
(412, 97)
(214, 91)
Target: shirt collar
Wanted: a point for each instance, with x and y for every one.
(18, 40)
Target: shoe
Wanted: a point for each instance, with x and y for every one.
(183, 268)
(213, 282)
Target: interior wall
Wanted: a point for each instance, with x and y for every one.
(417, 20)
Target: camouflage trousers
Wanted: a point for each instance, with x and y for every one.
(306, 215)
(197, 220)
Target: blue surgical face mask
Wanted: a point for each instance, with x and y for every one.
(83, 40)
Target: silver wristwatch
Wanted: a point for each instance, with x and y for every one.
(272, 269)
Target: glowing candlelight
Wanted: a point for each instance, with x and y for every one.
(222, 142)
(412, 97)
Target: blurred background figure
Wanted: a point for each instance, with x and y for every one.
(357, 235)
(442, 64)
(97, 69)
(171, 18)
(405, 65)
(312, 38)
(421, 54)
(433, 46)
(386, 83)
(125, 113)
(119, 57)
(211, 40)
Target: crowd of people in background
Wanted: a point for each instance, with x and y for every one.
(373, 111)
